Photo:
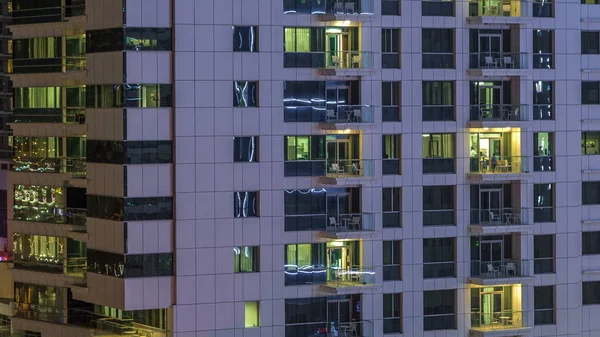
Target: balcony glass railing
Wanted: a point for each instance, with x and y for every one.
(73, 165)
(47, 65)
(37, 312)
(500, 60)
(504, 320)
(320, 274)
(331, 60)
(350, 168)
(351, 222)
(69, 216)
(499, 165)
(328, 6)
(24, 13)
(499, 112)
(499, 216)
(500, 269)
(49, 115)
(350, 114)
(327, 329)
(515, 8)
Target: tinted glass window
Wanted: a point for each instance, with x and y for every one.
(125, 266)
(245, 38)
(591, 292)
(544, 305)
(438, 258)
(129, 209)
(135, 39)
(543, 254)
(439, 310)
(590, 243)
(245, 149)
(245, 94)
(590, 42)
(133, 152)
(128, 95)
(245, 204)
(590, 92)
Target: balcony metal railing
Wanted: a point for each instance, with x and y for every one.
(326, 329)
(350, 168)
(331, 60)
(340, 277)
(70, 216)
(499, 165)
(328, 6)
(500, 269)
(351, 222)
(47, 14)
(500, 60)
(46, 65)
(506, 8)
(499, 216)
(50, 115)
(73, 165)
(350, 114)
(504, 320)
(71, 265)
(499, 112)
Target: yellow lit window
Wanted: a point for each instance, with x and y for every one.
(251, 315)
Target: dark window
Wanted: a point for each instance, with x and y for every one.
(590, 92)
(390, 101)
(245, 94)
(590, 142)
(129, 209)
(590, 2)
(590, 243)
(591, 292)
(438, 206)
(543, 97)
(306, 210)
(245, 38)
(128, 96)
(543, 9)
(544, 305)
(437, 8)
(438, 48)
(125, 266)
(392, 313)
(392, 260)
(439, 307)
(392, 206)
(590, 193)
(543, 202)
(305, 316)
(390, 48)
(391, 154)
(245, 149)
(390, 7)
(134, 39)
(543, 149)
(305, 264)
(304, 101)
(543, 49)
(245, 204)
(438, 101)
(543, 254)
(129, 152)
(246, 259)
(438, 258)
(590, 42)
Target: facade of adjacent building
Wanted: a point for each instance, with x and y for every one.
(295, 168)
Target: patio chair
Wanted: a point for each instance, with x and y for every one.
(510, 266)
(490, 62)
(330, 116)
(356, 61)
(494, 271)
(508, 61)
(513, 115)
(338, 8)
(495, 218)
(337, 168)
(350, 8)
(354, 222)
(357, 114)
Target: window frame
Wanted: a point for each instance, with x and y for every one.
(540, 255)
(438, 298)
(540, 291)
(436, 256)
(393, 313)
(249, 96)
(395, 265)
(242, 152)
(252, 196)
(392, 216)
(254, 265)
(251, 34)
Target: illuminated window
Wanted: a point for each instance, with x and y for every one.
(252, 314)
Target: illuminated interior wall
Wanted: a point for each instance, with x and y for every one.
(252, 315)
(39, 248)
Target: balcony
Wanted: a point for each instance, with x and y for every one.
(498, 64)
(51, 12)
(349, 226)
(67, 216)
(499, 220)
(326, 329)
(349, 63)
(47, 65)
(73, 166)
(341, 171)
(348, 117)
(498, 165)
(49, 115)
(494, 323)
(498, 115)
(37, 313)
(500, 272)
(330, 10)
(497, 11)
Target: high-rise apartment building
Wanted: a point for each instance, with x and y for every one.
(295, 168)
